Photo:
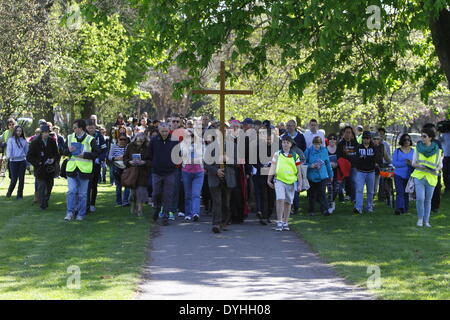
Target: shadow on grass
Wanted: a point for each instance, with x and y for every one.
(37, 247)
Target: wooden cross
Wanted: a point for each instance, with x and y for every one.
(222, 92)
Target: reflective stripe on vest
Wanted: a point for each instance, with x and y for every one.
(286, 170)
(84, 165)
(432, 174)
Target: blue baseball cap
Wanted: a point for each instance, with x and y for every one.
(247, 121)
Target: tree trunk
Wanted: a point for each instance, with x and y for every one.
(440, 31)
(88, 108)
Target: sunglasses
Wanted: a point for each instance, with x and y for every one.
(424, 136)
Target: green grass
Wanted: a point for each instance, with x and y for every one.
(37, 247)
(414, 262)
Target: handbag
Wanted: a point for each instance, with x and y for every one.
(130, 177)
(410, 187)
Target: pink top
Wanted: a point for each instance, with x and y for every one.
(192, 168)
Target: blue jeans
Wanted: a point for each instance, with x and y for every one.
(117, 177)
(77, 195)
(126, 195)
(401, 197)
(424, 194)
(193, 183)
(364, 179)
(17, 172)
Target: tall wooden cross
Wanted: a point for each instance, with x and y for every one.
(222, 92)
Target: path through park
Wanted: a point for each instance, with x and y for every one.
(250, 261)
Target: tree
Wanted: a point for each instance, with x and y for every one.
(24, 43)
(334, 33)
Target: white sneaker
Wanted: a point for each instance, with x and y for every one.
(427, 224)
(420, 223)
(330, 210)
(187, 218)
(92, 208)
(333, 206)
(69, 217)
(196, 217)
(279, 226)
(285, 226)
(79, 218)
(181, 214)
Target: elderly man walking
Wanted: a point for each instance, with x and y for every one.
(164, 172)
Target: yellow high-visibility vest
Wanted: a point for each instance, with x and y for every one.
(286, 170)
(84, 165)
(431, 162)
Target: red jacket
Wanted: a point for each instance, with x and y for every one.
(343, 170)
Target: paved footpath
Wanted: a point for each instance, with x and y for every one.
(250, 261)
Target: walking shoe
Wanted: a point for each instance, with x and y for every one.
(92, 208)
(171, 216)
(311, 214)
(420, 223)
(261, 221)
(216, 229)
(140, 214)
(397, 212)
(279, 226)
(285, 226)
(181, 214)
(161, 214)
(79, 218)
(69, 216)
(330, 211)
(188, 218)
(126, 205)
(427, 224)
(165, 221)
(196, 217)
(333, 206)
(356, 211)
(259, 215)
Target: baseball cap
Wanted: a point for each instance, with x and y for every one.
(247, 121)
(367, 134)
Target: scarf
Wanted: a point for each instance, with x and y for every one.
(427, 151)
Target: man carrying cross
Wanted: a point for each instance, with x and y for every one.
(221, 178)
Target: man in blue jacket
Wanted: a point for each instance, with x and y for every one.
(164, 172)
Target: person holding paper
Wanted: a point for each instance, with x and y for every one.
(136, 155)
(81, 149)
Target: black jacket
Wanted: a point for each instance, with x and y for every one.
(160, 155)
(365, 158)
(347, 150)
(39, 153)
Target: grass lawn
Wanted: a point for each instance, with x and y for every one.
(414, 262)
(37, 247)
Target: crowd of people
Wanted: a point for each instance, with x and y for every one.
(167, 165)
